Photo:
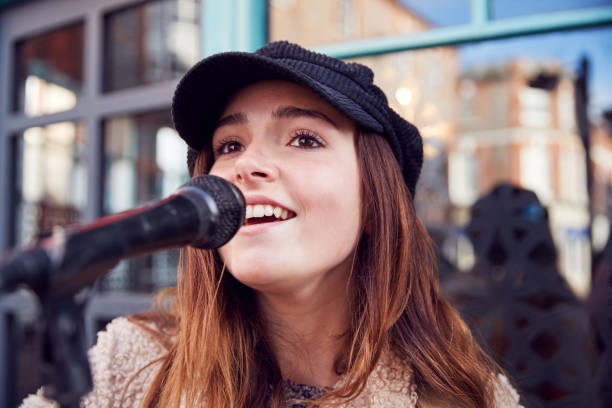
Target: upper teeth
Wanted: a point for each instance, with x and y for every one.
(260, 210)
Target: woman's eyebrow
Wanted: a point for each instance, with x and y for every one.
(233, 119)
(295, 112)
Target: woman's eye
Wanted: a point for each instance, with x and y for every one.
(307, 141)
(229, 147)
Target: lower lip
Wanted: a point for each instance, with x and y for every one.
(259, 228)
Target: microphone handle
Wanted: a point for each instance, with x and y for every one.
(74, 257)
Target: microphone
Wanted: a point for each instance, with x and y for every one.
(206, 212)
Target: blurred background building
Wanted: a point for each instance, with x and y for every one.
(516, 92)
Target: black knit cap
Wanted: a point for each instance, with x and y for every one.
(203, 92)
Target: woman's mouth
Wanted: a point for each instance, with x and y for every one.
(262, 213)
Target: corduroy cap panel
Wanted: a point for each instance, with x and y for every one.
(257, 69)
(203, 92)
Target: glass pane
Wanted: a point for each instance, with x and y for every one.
(51, 179)
(505, 111)
(150, 42)
(316, 22)
(49, 71)
(440, 13)
(519, 266)
(507, 9)
(145, 160)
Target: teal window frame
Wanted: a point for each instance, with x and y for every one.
(233, 25)
(242, 25)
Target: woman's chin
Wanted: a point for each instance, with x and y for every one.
(255, 274)
(254, 279)
(268, 279)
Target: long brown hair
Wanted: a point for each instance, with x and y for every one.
(222, 353)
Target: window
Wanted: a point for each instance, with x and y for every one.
(316, 22)
(144, 160)
(495, 114)
(49, 71)
(150, 42)
(72, 71)
(50, 179)
(506, 9)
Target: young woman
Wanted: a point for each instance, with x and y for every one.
(328, 295)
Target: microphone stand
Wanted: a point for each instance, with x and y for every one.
(65, 367)
(80, 255)
(63, 361)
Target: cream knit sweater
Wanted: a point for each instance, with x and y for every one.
(121, 370)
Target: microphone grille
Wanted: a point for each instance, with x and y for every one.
(230, 203)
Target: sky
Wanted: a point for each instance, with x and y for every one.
(567, 47)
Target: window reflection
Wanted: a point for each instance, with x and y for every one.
(150, 42)
(316, 22)
(144, 161)
(441, 13)
(508, 118)
(508, 9)
(492, 122)
(49, 71)
(421, 88)
(50, 179)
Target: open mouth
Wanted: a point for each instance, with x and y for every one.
(263, 213)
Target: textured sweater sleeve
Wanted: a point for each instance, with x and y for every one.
(123, 362)
(505, 394)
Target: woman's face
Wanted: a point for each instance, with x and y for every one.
(293, 157)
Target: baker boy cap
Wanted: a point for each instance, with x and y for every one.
(205, 89)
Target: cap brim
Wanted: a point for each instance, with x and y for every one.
(205, 89)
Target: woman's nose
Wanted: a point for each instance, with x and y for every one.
(253, 166)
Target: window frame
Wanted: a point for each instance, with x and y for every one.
(92, 106)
